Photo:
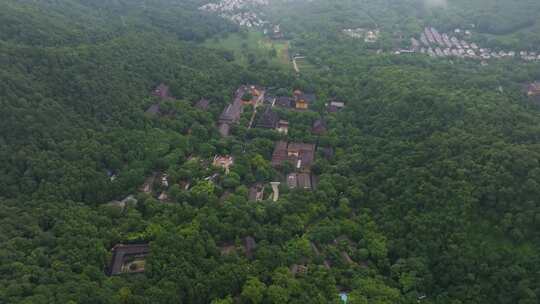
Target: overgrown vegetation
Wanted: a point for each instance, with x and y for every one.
(431, 193)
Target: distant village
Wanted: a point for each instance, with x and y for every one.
(369, 36)
(430, 41)
(435, 44)
(238, 11)
(533, 91)
(440, 45)
(245, 13)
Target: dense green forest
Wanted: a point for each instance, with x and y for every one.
(430, 194)
(496, 23)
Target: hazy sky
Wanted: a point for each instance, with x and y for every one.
(435, 3)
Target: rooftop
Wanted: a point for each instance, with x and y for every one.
(534, 89)
(269, 119)
(301, 155)
(128, 258)
(309, 98)
(284, 101)
(319, 127)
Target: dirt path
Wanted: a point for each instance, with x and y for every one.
(295, 64)
(254, 114)
(252, 118)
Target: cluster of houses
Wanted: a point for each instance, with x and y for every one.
(301, 157)
(131, 258)
(270, 120)
(299, 101)
(232, 5)
(369, 36)
(245, 95)
(274, 32)
(533, 90)
(435, 44)
(256, 96)
(241, 12)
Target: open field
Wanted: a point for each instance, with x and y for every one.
(243, 45)
(304, 66)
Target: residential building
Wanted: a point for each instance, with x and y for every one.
(335, 106)
(269, 100)
(165, 180)
(225, 162)
(372, 36)
(292, 181)
(284, 101)
(256, 93)
(533, 89)
(280, 154)
(283, 127)
(303, 101)
(299, 181)
(231, 114)
(300, 155)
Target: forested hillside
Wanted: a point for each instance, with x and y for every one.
(425, 182)
(498, 23)
(71, 22)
